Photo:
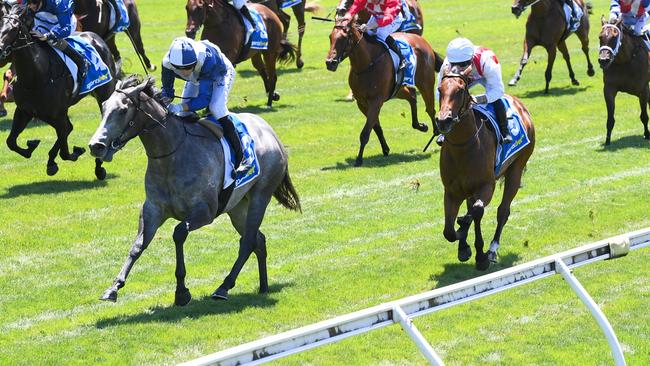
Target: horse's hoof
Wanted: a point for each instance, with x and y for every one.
(512, 82)
(386, 152)
(78, 151)
(464, 254)
(358, 162)
(152, 68)
(423, 127)
(100, 173)
(646, 135)
(182, 298)
(33, 144)
(575, 82)
(591, 72)
(276, 97)
(52, 169)
(608, 142)
(300, 64)
(482, 264)
(109, 295)
(492, 256)
(220, 294)
(264, 290)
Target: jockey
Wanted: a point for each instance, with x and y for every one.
(209, 76)
(486, 70)
(634, 13)
(386, 18)
(62, 26)
(574, 16)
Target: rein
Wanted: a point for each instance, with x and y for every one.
(372, 63)
(23, 34)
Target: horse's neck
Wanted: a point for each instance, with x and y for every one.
(224, 26)
(363, 53)
(32, 64)
(544, 8)
(160, 140)
(460, 136)
(626, 51)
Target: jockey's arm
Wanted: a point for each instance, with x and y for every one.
(64, 17)
(167, 77)
(494, 88)
(356, 7)
(390, 13)
(614, 10)
(203, 99)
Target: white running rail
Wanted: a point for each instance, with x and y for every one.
(402, 311)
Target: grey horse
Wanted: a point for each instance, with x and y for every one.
(184, 177)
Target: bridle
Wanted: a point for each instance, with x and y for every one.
(524, 7)
(466, 104)
(349, 47)
(619, 40)
(121, 140)
(23, 34)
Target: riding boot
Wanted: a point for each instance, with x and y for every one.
(502, 119)
(247, 14)
(390, 41)
(574, 16)
(76, 57)
(118, 14)
(230, 132)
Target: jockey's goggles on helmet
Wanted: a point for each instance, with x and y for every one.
(184, 67)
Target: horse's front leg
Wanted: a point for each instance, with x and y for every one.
(411, 97)
(565, 54)
(548, 75)
(477, 209)
(199, 217)
(21, 119)
(610, 101)
(528, 47)
(452, 204)
(372, 118)
(252, 240)
(643, 102)
(150, 221)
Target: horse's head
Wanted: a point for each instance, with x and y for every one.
(196, 13)
(611, 36)
(519, 6)
(454, 98)
(343, 7)
(344, 37)
(119, 117)
(16, 24)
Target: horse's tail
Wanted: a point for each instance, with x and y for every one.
(438, 61)
(313, 7)
(286, 194)
(589, 7)
(288, 53)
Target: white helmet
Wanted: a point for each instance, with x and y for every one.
(181, 53)
(460, 50)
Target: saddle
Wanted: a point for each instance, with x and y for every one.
(398, 75)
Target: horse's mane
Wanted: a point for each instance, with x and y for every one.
(150, 90)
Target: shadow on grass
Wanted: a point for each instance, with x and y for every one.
(281, 70)
(6, 122)
(53, 187)
(626, 142)
(459, 272)
(379, 160)
(198, 308)
(261, 109)
(553, 92)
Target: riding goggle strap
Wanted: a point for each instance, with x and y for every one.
(614, 50)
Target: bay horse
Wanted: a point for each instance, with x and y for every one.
(467, 163)
(299, 13)
(44, 87)
(626, 67)
(222, 26)
(94, 16)
(372, 77)
(547, 27)
(363, 16)
(184, 177)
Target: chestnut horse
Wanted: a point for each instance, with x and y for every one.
(626, 67)
(467, 161)
(299, 13)
(546, 26)
(363, 15)
(372, 77)
(223, 27)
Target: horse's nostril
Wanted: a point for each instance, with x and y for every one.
(97, 149)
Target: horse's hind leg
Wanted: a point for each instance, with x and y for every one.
(528, 48)
(52, 167)
(150, 220)
(549, 66)
(411, 96)
(270, 58)
(116, 55)
(643, 102)
(299, 12)
(429, 98)
(583, 36)
(20, 121)
(565, 53)
(134, 31)
(248, 243)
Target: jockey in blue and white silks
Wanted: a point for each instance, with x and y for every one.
(208, 76)
(634, 13)
(53, 22)
(486, 70)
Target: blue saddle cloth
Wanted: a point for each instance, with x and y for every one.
(98, 73)
(409, 54)
(515, 125)
(259, 38)
(124, 22)
(289, 3)
(410, 22)
(248, 149)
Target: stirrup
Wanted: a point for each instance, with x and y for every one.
(244, 166)
(506, 139)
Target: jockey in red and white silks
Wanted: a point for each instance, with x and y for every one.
(634, 13)
(486, 70)
(386, 18)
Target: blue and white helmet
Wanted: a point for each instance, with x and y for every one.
(460, 50)
(182, 54)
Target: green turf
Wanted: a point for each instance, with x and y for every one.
(366, 235)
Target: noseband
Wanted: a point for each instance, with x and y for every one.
(619, 40)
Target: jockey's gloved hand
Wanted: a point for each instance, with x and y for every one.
(38, 35)
(175, 108)
(479, 99)
(166, 100)
(363, 28)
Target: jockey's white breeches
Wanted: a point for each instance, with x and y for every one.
(44, 22)
(387, 30)
(220, 90)
(238, 3)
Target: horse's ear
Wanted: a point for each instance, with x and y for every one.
(602, 20)
(619, 21)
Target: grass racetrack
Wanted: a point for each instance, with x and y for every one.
(366, 236)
